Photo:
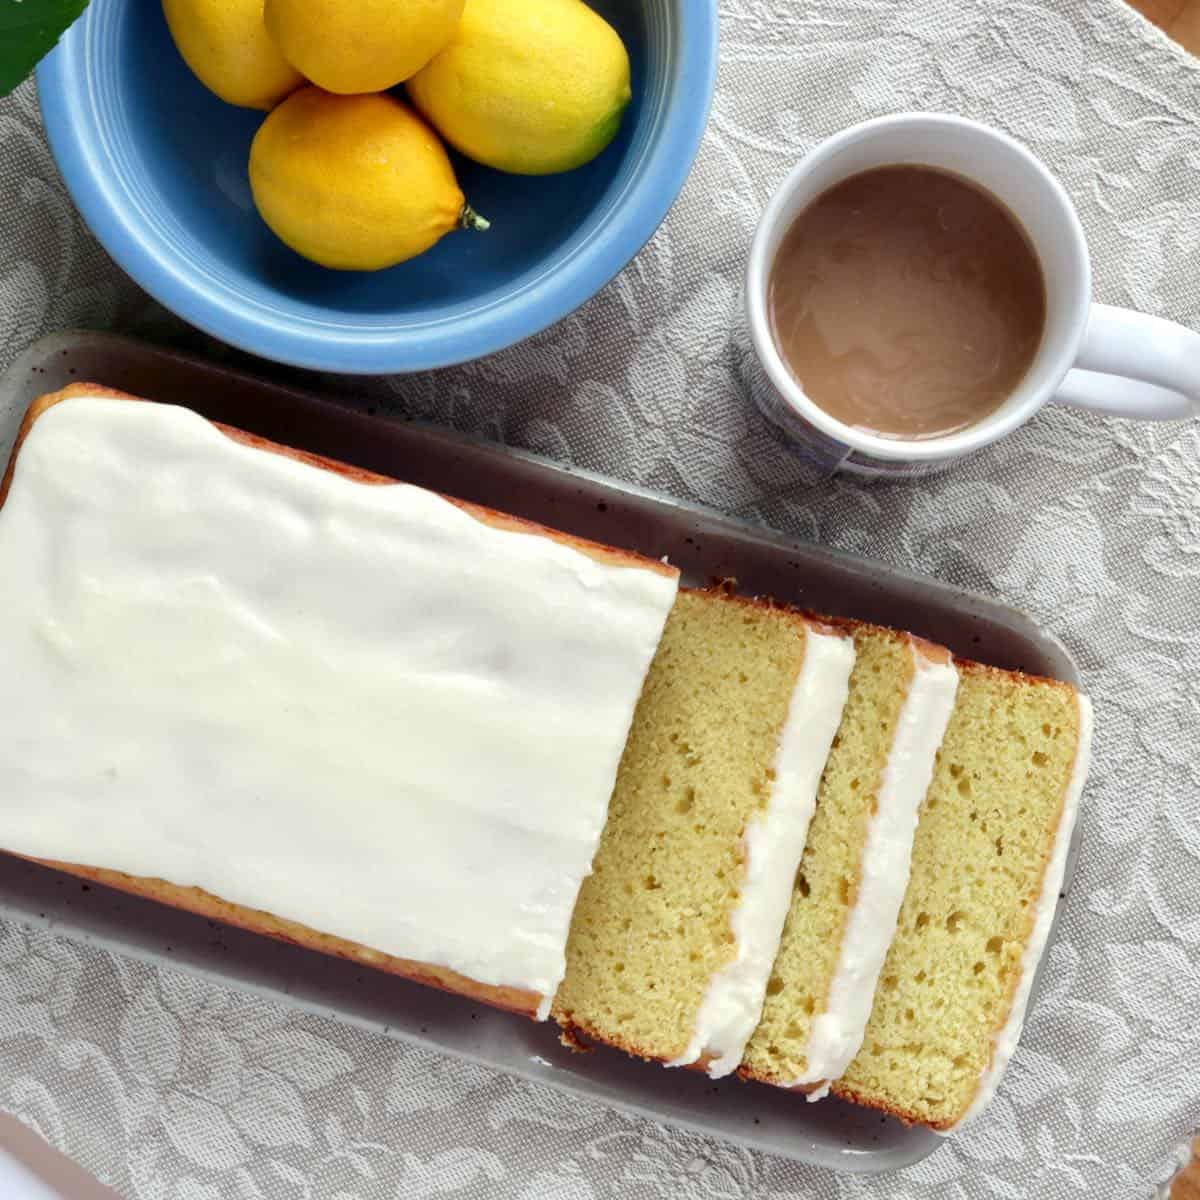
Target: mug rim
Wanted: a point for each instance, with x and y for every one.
(898, 450)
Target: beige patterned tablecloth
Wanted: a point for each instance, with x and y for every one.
(171, 1090)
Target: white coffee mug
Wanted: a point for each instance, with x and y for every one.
(1111, 360)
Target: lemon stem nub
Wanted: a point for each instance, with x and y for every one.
(470, 219)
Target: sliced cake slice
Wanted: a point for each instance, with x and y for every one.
(987, 865)
(675, 930)
(855, 868)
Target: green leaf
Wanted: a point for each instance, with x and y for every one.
(29, 30)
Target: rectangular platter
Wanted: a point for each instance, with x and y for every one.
(703, 544)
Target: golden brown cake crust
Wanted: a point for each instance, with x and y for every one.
(576, 1035)
(195, 900)
(203, 904)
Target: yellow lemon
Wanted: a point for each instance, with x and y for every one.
(527, 86)
(353, 46)
(226, 44)
(355, 182)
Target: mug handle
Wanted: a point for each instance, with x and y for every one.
(1134, 365)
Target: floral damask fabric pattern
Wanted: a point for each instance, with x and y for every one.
(173, 1089)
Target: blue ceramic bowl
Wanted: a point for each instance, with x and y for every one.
(157, 166)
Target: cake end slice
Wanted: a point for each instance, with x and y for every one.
(988, 862)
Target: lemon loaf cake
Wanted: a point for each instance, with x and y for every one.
(852, 878)
(987, 865)
(675, 931)
(261, 686)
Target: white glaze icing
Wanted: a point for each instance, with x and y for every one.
(837, 1032)
(357, 707)
(1005, 1042)
(774, 844)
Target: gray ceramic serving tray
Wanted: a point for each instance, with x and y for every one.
(702, 543)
